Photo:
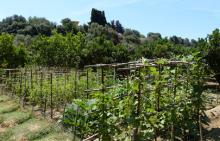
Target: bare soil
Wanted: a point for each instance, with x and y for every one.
(213, 127)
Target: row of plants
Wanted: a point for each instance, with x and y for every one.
(48, 88)
(164, 101)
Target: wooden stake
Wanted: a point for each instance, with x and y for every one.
(51, 95)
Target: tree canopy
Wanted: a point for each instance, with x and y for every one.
(38, 41)
(98, 17)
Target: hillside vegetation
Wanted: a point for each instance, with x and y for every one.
(108, 82)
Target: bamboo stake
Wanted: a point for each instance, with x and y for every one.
(20, 87)
(87, 82)
(51, 95)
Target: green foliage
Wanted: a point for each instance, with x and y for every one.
(161, 48)
(153, 36)
(117, 26)
(33, 26)
(100, 50)
(41, 42)
(13, 25)
(58, 50)
(131, 37)
(213, 57)
(214, 38)
(151, 101)
(96, 30)
(68, 26)
(146, 105)
(10, 55)
(78, 50)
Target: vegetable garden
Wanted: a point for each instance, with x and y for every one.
(141, 100)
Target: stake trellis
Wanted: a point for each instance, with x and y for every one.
(53, 79)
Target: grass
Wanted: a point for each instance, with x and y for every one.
(57, 136)
(29, 130)
(4, 98)
(8, 106)
(15, 117)
(21, 125)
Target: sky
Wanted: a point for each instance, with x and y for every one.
(186, 18)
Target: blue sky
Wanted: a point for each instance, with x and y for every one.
(186, 18)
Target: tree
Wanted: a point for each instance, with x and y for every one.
(10, 55)
(131, 37)
(98, 17)
(13, 25)
(214, 38)
(213, 57)
(100, 50)
(176, 40)
(39, 26)
(96, 30)
(21, 56)
(69, 26)
(153, 36)
(112, 24)
(58, 49)
(117, 26)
